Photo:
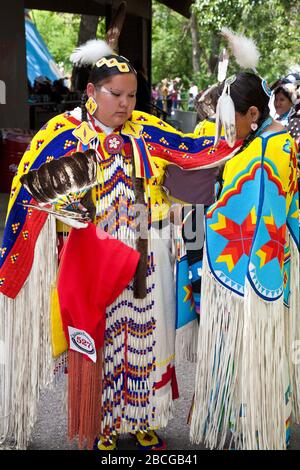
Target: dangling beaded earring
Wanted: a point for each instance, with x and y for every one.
(254, 126)
(91, 105)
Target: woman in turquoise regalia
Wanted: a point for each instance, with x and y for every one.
(247, 380)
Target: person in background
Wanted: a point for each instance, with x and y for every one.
(193, 90)
(159, 101)
(287, 105)
(154, 94)
(283, 104)
(59, 91)
(176, 92)
(165, 93)
(191, 102)
(42, 86)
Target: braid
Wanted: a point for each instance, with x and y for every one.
(83, 108)
(140, 277)
(252, 134)
(247, 90)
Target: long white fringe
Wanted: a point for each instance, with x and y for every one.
(219, 343)
(293, 331)
(240, 380)
(262, 386)
(186, 342)
(164, 410)
(26, 365)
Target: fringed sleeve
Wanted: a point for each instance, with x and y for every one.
(28, 265)
(23, 225)
(26, 363)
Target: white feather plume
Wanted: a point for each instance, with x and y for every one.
(90, 52)
(244, 49)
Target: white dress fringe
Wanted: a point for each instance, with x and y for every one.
(26, 364)
(242, 378)
(293, 331)
(260, 402)
(186, 342)
(219, 343)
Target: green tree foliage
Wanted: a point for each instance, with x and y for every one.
(60, 33)
(273, 24)
(171, 45)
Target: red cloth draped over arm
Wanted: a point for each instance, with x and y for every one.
(95, 268)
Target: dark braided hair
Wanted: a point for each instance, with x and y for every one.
(83, 108)
(247, 91)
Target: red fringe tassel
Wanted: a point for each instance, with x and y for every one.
(84, 398)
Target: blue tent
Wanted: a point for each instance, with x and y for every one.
(39, 59)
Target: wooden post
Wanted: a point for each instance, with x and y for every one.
(15, 111)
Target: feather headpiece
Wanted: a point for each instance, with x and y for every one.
(223, 65)
(244, 49)
(90, 52)
(95, 49)
(225, 116)
(247, 56)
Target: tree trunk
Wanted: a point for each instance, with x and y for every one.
(214, 54)
(87, 30)
(195, 42)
